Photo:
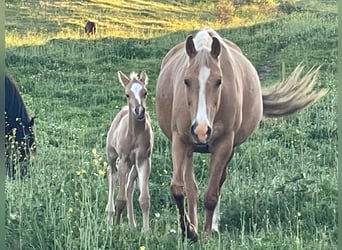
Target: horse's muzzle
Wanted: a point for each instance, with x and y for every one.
(200, 132)
(139, 112)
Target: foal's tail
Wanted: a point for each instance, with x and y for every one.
(292, 94)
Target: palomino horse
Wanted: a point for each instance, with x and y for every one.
(129, 146)
(209, 100)
(19, 135)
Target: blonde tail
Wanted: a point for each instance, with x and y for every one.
(292, 94)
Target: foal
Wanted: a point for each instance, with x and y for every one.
(129, 146)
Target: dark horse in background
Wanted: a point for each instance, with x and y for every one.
(90, 28)
(19, 135)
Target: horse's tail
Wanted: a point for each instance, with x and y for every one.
(292, 94)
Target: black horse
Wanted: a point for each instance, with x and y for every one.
(19, 135)
(90, 28)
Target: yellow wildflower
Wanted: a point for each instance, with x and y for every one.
(93, 151)
(102, 172)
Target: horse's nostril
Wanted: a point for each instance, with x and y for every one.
(140, 111)
(193, 127)
(208, 132)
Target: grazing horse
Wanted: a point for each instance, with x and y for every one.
(19, 135)
(209, 100)
(129, 146)
(90, 28)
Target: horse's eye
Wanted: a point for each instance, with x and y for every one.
(187, 82)
(145, 94)
(127, 95)
(218, 82)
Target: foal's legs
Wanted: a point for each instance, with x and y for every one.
(144, 169)
(130, 189)
(112, 176)
(123, 169)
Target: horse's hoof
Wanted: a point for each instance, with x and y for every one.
(206, 236)
(110, 218)
(191, 233)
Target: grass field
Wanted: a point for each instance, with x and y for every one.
(281, 190)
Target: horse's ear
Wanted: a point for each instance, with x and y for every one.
(31, 123)
(190, 47)
(123, 78)
(143, 77)
(215, 48)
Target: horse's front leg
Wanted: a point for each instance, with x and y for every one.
(144, 169)
(181, 160)
(121, 201)
(112, 176)
(217, 175)
(130, 190)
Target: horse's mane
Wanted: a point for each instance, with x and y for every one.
(203, 41)
(134, 76)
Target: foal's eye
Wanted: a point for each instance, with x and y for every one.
(127, 95)
(187, 82)
(145, 94)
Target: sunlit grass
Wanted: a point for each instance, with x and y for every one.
(45, 20)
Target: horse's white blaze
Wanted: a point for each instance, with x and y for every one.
(201, 115)
(136, 87)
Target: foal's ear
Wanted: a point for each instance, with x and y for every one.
(124, 80)
(190, 47)
(215, 48)
(143, 77)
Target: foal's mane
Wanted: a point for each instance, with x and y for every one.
(134, 77)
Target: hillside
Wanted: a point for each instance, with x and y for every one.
(35, 22)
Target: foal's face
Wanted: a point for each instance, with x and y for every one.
(136, 96)
(136, 93)
(203, 89)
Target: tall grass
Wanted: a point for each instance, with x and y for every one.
(281, 190)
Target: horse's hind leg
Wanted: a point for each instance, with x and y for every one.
(130, 188)
(144, 170)
(112, 177)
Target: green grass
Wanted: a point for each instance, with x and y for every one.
(281, 190)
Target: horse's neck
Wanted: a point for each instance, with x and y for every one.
(136, 127)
